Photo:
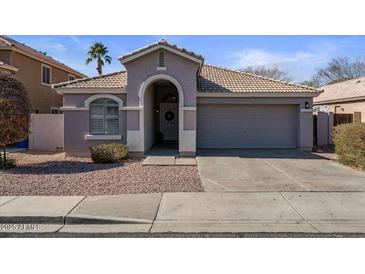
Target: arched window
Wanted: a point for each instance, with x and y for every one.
(104, 117)
(161, 59)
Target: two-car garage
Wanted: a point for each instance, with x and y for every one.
(247, 125)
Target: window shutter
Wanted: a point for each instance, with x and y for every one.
(104, 117)
(112, 126)
(97, 126)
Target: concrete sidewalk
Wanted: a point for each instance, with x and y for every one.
(249, 212)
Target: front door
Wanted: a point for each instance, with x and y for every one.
(169, 121)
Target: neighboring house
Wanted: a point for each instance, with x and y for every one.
(168, 95)
(344, 97)
(37, 72)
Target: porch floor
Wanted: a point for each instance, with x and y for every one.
(164, 149)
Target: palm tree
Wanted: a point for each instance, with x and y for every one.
(99, 53)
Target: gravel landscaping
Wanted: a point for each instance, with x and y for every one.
(55, 174)
(327, 152)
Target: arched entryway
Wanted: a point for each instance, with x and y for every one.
(161, 118)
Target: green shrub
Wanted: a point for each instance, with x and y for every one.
(9, 163)
(108, 153)
(349, 140)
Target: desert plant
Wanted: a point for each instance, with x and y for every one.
(99, 53)
(349, 140)
(14, 113)
(108, 153)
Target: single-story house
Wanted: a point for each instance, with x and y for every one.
(168, 95)
(344, 97)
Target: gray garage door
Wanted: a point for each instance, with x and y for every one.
(246, 126)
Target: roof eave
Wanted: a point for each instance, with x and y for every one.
(339, 100)
(42, 59)
(257, 94)
(9, 67)
(106, 90)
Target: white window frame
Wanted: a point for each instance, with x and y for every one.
(71, 75)
(161, 61)
(50, 75)
(105, 118)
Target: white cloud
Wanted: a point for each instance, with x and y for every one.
(258, 57)
(299, 65)
(48, 45)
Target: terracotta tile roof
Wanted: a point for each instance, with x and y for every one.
(343, 91)
(111, 80)
(162, 42)
(217, 79)
(7, 42)
(211, 79)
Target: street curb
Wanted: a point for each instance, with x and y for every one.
(54, 220)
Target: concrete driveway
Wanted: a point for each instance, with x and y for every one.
(274, 170)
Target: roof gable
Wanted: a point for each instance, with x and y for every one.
(162, 44)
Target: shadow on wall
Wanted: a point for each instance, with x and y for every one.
(61, 167)
(258, 153)
(204, 82)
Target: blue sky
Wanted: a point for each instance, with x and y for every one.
(300, 56)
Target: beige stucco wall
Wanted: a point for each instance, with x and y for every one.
(324, 128)
(42, 97)
(5, 56)
(350, 107)
(46, 132)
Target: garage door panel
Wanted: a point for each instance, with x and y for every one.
(246, 126)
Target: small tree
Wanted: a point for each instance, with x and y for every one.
(340, 69)
(14, 113)
(310, 83)
(269, 72)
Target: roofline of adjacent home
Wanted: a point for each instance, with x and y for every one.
(340, 100)
(127, 57)
(257, 94)
(48, 62)
(9, 67)
(63, 91)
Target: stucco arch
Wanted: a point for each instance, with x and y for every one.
(100, 96)
(156, 77)
(141, 96)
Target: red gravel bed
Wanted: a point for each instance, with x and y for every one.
(55, 174)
